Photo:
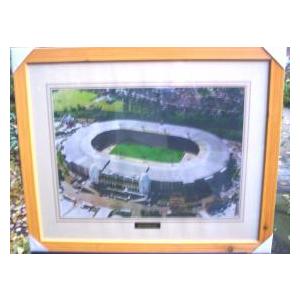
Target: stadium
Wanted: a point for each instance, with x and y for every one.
(94, 152)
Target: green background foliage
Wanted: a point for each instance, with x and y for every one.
(94, 105)
(286, 99)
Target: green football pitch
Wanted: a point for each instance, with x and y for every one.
(144, 152)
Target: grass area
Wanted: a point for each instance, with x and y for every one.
(144, 152)
(68, 99)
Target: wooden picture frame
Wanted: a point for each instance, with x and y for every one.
(73, 55)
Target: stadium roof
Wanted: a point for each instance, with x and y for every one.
(212, 157)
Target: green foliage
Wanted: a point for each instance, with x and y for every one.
(18, 227)
(115, 106)
(148, 153)
(14, 144)
(63, 168)
(12, 91)
(286, 97)
(20, 245)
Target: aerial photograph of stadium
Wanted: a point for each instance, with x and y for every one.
(149, 152)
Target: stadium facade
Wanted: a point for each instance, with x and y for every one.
(206, 163)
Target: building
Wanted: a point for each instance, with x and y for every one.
(85, 152)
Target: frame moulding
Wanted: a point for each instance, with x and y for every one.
(61, 55)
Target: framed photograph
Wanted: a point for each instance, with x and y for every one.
(149, 149)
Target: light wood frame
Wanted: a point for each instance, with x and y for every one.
(55, 55)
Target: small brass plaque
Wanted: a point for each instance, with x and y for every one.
(146, 225)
